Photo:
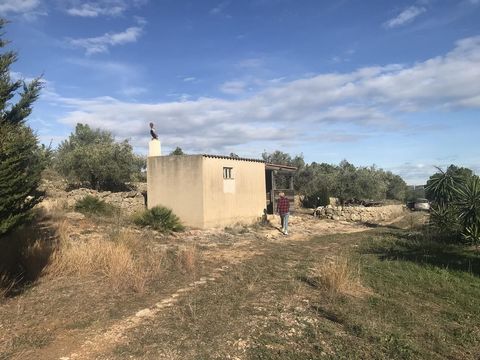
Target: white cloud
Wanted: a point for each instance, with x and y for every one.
(189, 79)
(18, 6)
(100, 7)
(94, 10)
(369, 98)
(101, 44)
(405, 16)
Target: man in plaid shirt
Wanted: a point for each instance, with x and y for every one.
(283, 209)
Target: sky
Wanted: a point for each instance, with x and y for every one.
(394, 84)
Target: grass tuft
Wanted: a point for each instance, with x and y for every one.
(159, 218)
(187, 258)
(336, 275)
(91, 205)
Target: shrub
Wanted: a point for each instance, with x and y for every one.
(159, 218)
(91, 205)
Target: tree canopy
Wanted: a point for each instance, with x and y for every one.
(178, 151)
(94, 158)
(20, 155)
(344, 181)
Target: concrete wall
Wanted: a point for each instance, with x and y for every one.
(177, 182)
(193, 186)
(228, 201)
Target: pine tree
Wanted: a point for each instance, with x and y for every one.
(20, 157)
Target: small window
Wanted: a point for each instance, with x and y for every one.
(228, 173)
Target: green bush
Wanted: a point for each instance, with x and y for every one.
(91, 205)
(159, 218)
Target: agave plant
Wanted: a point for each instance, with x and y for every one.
(442, 187)
(445, 219)
(468, 205)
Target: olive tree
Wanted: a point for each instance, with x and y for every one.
(93, 158)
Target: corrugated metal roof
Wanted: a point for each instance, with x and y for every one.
(231, 158)
(267, 165)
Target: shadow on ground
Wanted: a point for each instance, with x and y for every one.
(24, 253)
(419, 249)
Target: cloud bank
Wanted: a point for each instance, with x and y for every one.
(370, 99)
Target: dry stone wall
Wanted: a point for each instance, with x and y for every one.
(359, 213)
(129, 201)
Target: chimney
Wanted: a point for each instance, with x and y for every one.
(154, 148)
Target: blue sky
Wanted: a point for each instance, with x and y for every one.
(390, 83)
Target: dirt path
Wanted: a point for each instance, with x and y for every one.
(241, 249)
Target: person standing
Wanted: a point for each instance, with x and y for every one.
(283, 209)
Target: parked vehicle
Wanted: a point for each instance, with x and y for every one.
(419, 205)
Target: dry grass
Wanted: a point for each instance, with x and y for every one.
(35, 258)
(336, 275)
(122, 262)
(6, 285)
(55, 208)
(187, 258)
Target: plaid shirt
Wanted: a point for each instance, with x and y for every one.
(283, 206)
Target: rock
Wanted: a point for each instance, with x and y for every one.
(354, 217)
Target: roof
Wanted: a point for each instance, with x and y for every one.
(268, 166)
(280, 167)
(231, 158)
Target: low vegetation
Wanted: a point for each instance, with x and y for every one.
(122, 262)
(91, 205)
(396, 294)
(159, 218)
